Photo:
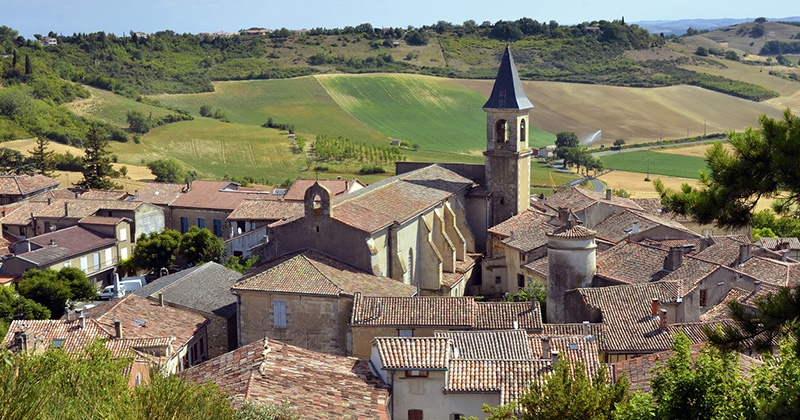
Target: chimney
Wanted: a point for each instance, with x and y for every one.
(756, 286)
(118, 328)
(554, 358)
(744, 253)
(28, 243)
(82, 320)
(515, 324)
(512, 236)
(654, 307)
(161, 299)
(563, 212)
(66, 209)
(674, 259)
(49, 201)
(662, 318)
(608, 193)
(545, 347)
(635, 228)
(586, 329)
(52, 242)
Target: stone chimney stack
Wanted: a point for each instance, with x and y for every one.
(554, 358)
(654, 307)
(545, 347)
(82, 320)
(662, 318)
(563, 213)
(635, 228)
(118, 328)
(756, 286)
(674, 259)
(586, 329)
(608, 193)
(66, 209)
(744, 253)
(161, 299)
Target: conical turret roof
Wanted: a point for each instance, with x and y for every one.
(508, 92)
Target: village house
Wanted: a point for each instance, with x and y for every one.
(248, 224)
(789, 246)
(95, 246)
(203, 290)
(206, 204)
(337, 187)
(452, 374)
(381, 316)
(314, 384)
(306, 299)
(15, 188)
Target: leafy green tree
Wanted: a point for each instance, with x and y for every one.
(13, 162)
(42, 160)
(762, 164)
(619, 142)
(138, 122)
(97, 169)
(711, 387)
(787, 226)
(701, 51)
(156, 250)
(200, 245)
(775, 384)
(206, 110)
(54, 288)
(167, 170)
(568, 393)
(28, 66)
(14, 306)
(254, 411)
(237, 264)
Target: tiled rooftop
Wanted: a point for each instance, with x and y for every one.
(445, 311)
(68, 243)
(413, 353)
(337, 187)
(313, 273)
(269, 210)
(104, 195)
(23, 185)
(620, 224)
(577, 199)
(205, 288)
(160, 193)
(47, 330)
(159, 321)
(530, 229)
(399, 198)
(776, 243)
(317, 384)
(215, 195)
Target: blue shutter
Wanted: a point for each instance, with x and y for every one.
(201, 222)
(218, 227)
(184, 224)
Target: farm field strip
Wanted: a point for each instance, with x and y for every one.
(668, 164)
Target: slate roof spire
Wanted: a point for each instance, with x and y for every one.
(508, 92)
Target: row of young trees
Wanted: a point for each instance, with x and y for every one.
(573, 153)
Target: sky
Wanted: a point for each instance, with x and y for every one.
(194, 16)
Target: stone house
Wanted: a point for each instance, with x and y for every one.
(248, 223)
(380, 316)
(589, 206)
(305, 299)
(207, 204)
(315, 384)
(338, 187)
(790, 246)
(95, 245)
(203, 290)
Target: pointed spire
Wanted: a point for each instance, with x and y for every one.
(508, 92)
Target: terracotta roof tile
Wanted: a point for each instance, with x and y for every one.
(48, 330)
(489, 345)
(311, 272)
(23, 185)
(104, 195)
(776, 243)
(444, 311)
(530, 229)
(574, 232)
(632, 262)
(577, 199)
(215, 195)
(398, 198)
(160, 321)
(160, 193)
(269, 210)
(619, 225)
(413, 353)
(337, 187)
(316, 384)
(21, 215)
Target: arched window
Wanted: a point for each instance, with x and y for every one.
(522, 134)
(501, 129)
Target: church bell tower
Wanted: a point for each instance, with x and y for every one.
(508, 158)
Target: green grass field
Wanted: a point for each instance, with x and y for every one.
(659, 163)
(437, 114)
(113, 108)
